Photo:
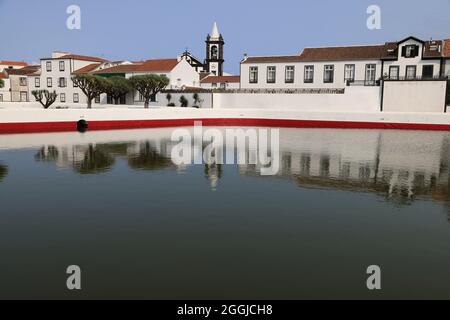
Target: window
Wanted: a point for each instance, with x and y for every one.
(349, 73)
(74, 84)
(214, 85)
(62, 82)
(223, 85)
(23, 81)
(1, 97)
(370, 74)
(394, 72)
(48, 66)
(62, 97)
(410, 72)
(253, 75)
(49, 82)
(428, 71)
(328, 73)
(75, 98)
(37, 82)
(290, 74)
(153, 98)
(410, 51)
(62, 66)
(97, 99)
(214, 52)
(271, 74)
(309, 74)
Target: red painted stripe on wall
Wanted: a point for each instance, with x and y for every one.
(32, 127)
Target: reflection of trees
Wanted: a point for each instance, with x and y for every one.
(213, 172)
(47, 154)
(95, 160)
(3, 171)
(148, 158)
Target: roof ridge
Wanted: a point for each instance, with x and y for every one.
(348, 46)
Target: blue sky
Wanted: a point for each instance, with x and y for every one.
(138, 29)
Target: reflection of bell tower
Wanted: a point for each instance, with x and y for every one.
(214, 52)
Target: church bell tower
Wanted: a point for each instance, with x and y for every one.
(214, 52)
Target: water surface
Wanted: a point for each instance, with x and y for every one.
(139, 226)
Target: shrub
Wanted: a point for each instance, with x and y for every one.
(184, 102)
(171, 104)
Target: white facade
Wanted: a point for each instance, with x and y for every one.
(56, 75)
(5, 94)
(331, 67)
(299, 80)
(418, 62)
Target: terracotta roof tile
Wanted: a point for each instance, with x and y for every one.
(13, 63)
(154, 65)
(123, 68)
(221, 79)
(28, 70)
(373, 52)
(158, 65)
(273, 59)
(446, 51)
(86, 69)
(81, 57)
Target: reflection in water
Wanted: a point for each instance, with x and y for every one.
(399, 166)
(3, 172)
(213, 172)
(286, 234)
(148, 158)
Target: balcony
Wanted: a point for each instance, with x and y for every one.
(365, 83)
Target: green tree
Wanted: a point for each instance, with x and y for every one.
(169, 98)
(92, 86)
(184, 102)
(117, 87)
(2, 83)
(45, 97)
(149, 85)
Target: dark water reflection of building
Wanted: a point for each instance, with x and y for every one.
(3, 171)
(400, 166)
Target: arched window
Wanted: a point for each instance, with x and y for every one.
(214, 52)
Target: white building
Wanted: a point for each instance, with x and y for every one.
(56, 75)
(5, 64)
(180, 73)
(220, 82)
(335, 67)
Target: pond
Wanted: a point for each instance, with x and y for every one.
(139, 226)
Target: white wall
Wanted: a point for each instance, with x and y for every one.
(227, 85)
(360, 70)
(402, 62)
(161, 100)
(414, 96)
(184, 75)
(6, 94)
(70, 65)
(355, 99)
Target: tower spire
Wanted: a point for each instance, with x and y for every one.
(215, 34)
